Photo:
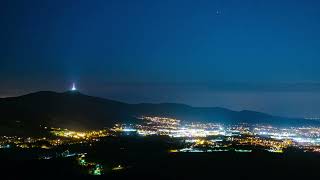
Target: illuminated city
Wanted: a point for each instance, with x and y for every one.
(216, 137)
(195, 137)
(185, 138)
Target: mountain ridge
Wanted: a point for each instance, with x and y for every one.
(74, 110)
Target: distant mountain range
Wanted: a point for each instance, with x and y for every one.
(75, 110)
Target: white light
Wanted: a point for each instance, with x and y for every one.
(73, 87)
(129, 130)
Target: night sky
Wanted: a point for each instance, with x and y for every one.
(260, 55)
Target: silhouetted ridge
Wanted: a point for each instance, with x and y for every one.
(75, 110)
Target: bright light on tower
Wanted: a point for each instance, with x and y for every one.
(73, 87)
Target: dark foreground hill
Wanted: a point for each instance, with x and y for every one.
(148, 158)
(78, 111)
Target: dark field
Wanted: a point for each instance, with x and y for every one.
(148, 158)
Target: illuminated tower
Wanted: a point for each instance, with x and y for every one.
(73, 87)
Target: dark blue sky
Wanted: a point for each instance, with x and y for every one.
(241, 54)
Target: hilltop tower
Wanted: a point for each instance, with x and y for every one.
(73, 88)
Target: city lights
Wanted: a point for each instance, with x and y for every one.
(218, 137)
(189, 137)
